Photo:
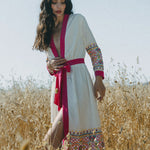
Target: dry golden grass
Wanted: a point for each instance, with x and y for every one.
(124, 114)
(125, 117)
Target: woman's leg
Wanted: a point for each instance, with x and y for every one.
(55, 134)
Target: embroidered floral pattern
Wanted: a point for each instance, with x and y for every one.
(83, 140)
(96, 56)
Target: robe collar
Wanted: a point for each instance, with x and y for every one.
(62, 39)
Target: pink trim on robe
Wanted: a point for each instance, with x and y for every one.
(61, 98)
(99, 73)
(62, 36)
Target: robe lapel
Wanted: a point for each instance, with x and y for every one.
(61, 97)
(62, 39)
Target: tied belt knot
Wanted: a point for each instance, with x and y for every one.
(67, 67)
(61, 85)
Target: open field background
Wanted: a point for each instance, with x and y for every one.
(122, 31)
(124, 114)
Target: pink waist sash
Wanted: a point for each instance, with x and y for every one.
(61, 99)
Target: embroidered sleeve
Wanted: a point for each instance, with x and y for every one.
(96, 56)
(92, 49)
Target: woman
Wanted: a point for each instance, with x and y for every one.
(66, 37)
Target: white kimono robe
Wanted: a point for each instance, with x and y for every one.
(84, 121)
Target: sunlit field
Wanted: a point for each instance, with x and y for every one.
(124, 114)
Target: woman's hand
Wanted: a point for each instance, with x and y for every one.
(99, 88)
(56, 63)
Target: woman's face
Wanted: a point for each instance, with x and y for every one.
(58, 7)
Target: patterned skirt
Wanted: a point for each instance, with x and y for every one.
(91, 139)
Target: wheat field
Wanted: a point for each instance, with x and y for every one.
(124, 114)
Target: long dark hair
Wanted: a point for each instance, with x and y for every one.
(46, 24)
